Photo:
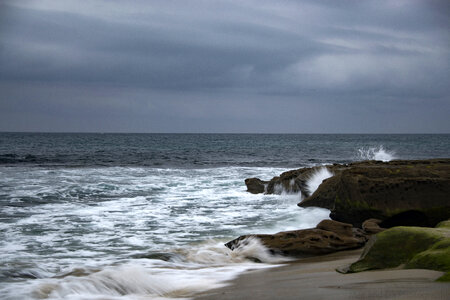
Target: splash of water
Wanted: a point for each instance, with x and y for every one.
(279, 189)
(317, 178)
(376, 153)
(214, 253)
(207, 266)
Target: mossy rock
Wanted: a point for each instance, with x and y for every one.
(444, 224)
(396, 246)
(436, 258)
(408, 247)
(444, 278)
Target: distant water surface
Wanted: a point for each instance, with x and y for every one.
(209, 150)
(145, 216)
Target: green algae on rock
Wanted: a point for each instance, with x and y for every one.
(407, 247)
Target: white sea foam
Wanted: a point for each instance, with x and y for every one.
(375, 153)
(215, 253)
(205, 266)
(91, 218)
(317, 178)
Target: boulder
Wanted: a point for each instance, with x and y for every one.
(413, 193)
(407, 247)
(255, 185)
(290, 182)
(293, 181)
(329, 236)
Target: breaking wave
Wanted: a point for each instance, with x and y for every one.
(317, 178)
(192, 270)
(375, 153)
(215, 253)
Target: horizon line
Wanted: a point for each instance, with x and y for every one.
(267, 133)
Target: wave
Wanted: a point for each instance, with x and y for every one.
(316, 179)
(375, 153)
(190, 271)
(292, 189)
(249, 249)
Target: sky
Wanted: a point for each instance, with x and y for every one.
(201, 66)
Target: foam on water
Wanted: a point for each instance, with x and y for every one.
(87, 216)
(376, 153)
(195, 269)
(97, 219)
(134, 281)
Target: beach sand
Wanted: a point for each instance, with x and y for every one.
(316, 278)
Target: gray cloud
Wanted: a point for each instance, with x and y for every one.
(225, 66)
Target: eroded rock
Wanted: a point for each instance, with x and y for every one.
(255, 185)
(329, 236)
(293, 181)
(371, 226)
(413, 193)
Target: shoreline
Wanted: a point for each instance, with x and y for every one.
(316, 278)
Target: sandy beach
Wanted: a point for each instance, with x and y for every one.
(316, 278)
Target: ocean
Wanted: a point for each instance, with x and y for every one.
(145, 216)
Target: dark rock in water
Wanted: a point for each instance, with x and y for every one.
(410, 247)
(293, 181)
(371, 226)
(414, 193)
(329, 236)
(255, 185)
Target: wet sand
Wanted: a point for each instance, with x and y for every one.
(316, 278)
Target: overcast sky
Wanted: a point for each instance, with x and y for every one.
(225, 66)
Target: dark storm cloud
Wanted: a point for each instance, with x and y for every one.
(240, 66)
(73, 47)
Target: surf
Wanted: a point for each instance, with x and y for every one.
(376, 153)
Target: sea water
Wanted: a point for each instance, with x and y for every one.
(146, 216)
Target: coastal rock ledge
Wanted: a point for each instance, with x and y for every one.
(398, 193)
(328, 236)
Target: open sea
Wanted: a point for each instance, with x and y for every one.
(145, 216)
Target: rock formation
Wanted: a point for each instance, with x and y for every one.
(413, 193)
(293, 181)
(410, 247)
(255, 185)
(371, 195)
(371, 226)
(401, 192)
(329, 236)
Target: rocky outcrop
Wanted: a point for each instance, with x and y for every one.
(255, 185)
(413, 193)
(329, 236)
(293, 181)
(410, 247)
